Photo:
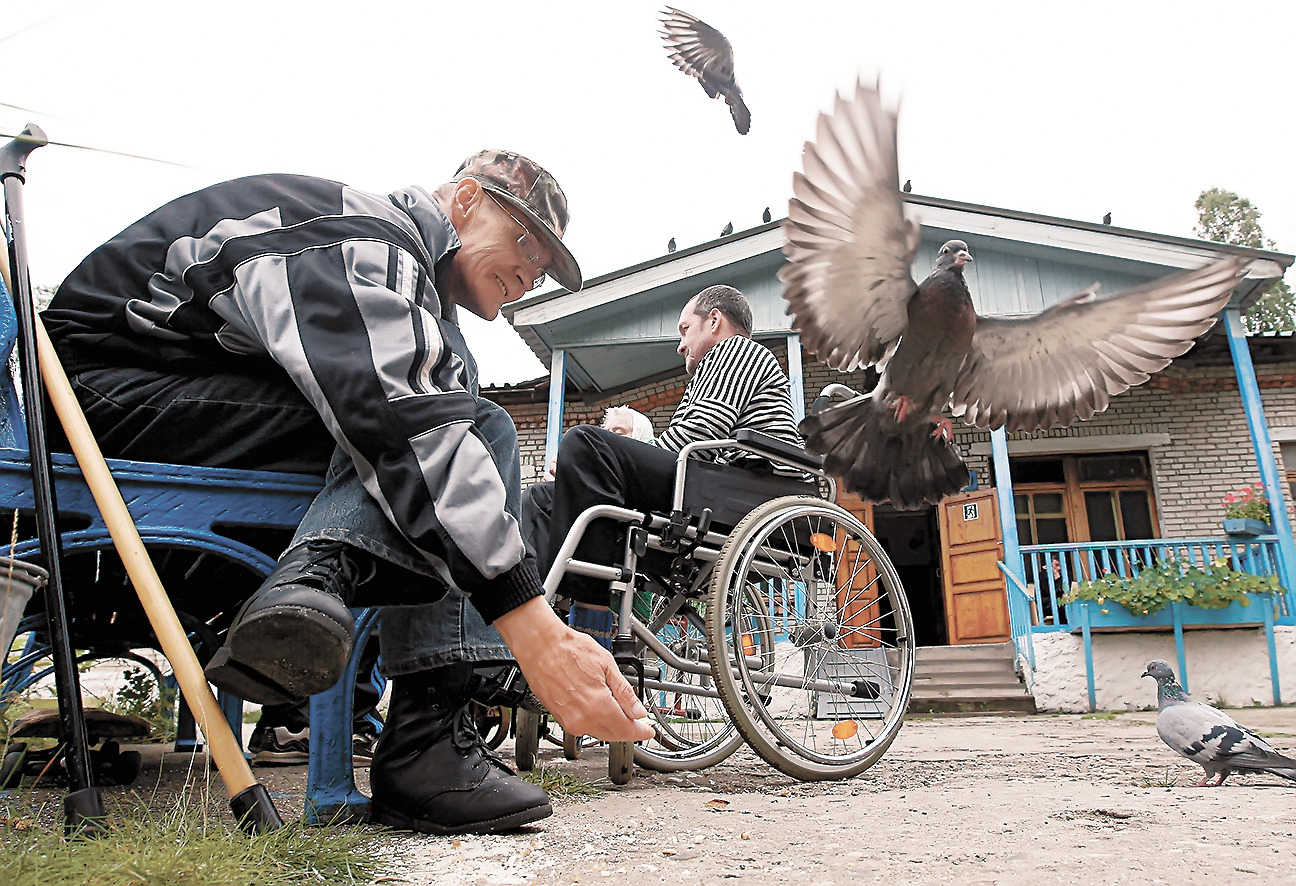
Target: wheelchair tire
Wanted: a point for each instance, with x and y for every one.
(694, 730)
(812, 639)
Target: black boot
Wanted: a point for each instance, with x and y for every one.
(293, 637)
(433, 773)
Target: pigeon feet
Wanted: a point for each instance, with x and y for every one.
(944, 429)
(900, 406)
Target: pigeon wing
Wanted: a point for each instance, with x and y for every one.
(1215, 740)
(1065, 363)
(848, 245)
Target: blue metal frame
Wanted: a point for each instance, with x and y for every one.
(1253, 408)
(557, 396)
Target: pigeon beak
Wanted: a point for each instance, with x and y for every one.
(962, 258)
(1146, 674)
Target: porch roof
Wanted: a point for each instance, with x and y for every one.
(1024, 263)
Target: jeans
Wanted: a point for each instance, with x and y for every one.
(262, 422)
(598, 467)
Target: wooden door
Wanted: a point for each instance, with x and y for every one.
(976, 601)
(857, 603)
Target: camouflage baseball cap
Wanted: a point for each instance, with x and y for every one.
(527, 187)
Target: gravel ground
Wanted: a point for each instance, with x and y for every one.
(960, 800)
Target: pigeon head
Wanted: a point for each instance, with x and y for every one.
(1169, 692)
(952, 256)
(1159, 671)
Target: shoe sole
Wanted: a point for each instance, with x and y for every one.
(253, 665)
(380, 814)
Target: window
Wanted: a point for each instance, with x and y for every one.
(1101, 497)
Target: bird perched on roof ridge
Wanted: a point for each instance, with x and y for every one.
(702, 52)
(766, 216)
(1210, 737)
(670, 245)
(847, 281)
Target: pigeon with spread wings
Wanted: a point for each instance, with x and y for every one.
(701, 51)
(849, 248)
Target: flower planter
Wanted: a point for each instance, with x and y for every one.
(1245, 527)
(1117, 617)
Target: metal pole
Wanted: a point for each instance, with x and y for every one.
(83, 809)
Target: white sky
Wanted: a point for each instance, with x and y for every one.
(1071, 110)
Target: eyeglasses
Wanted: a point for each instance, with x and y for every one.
(528, 242)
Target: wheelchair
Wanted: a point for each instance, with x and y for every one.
(757, 610)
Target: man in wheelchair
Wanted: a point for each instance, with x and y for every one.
(289, 323)
(734, 383)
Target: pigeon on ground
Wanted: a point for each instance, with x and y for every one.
(847, 281)
(1209, 736)
(701, 51)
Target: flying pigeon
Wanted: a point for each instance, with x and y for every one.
(847, 282)
(670, 245)
(701, 51)
(1209, 736)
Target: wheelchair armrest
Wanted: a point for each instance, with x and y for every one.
(776, 448)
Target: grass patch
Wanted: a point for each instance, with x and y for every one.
(1167, 779)
(1104, 716)
(182, 846)
(558, 783)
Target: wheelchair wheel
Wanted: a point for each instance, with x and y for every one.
(693, 728)
(812, 639)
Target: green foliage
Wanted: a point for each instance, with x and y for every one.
(1225, 217)
(1210, 587)
(140, 696)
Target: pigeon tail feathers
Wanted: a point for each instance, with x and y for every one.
(880, 460)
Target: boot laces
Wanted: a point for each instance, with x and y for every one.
(334, 568)
(466, 739)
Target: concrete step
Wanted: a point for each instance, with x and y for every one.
(968, 680)
(1006, 705)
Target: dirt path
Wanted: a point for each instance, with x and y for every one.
(980, 800)
(1024, 800)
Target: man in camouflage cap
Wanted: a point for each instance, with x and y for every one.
(290, 323)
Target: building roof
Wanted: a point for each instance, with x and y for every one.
(1024, 264)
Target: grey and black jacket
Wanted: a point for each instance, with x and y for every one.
(337, 287)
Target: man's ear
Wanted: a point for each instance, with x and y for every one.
(467, 194)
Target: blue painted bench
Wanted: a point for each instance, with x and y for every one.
(213, 535)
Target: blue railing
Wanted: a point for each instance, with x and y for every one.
(1051, 570)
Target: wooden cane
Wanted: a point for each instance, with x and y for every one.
(248, 798)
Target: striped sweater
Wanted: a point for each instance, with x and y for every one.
(737, 384)
(336, 287)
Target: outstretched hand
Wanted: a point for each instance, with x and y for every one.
(573, 676)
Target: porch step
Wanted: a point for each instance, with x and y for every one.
(974, 679)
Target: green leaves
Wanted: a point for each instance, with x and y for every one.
(1210, 587)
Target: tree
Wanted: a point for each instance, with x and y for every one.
(1225, 217)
